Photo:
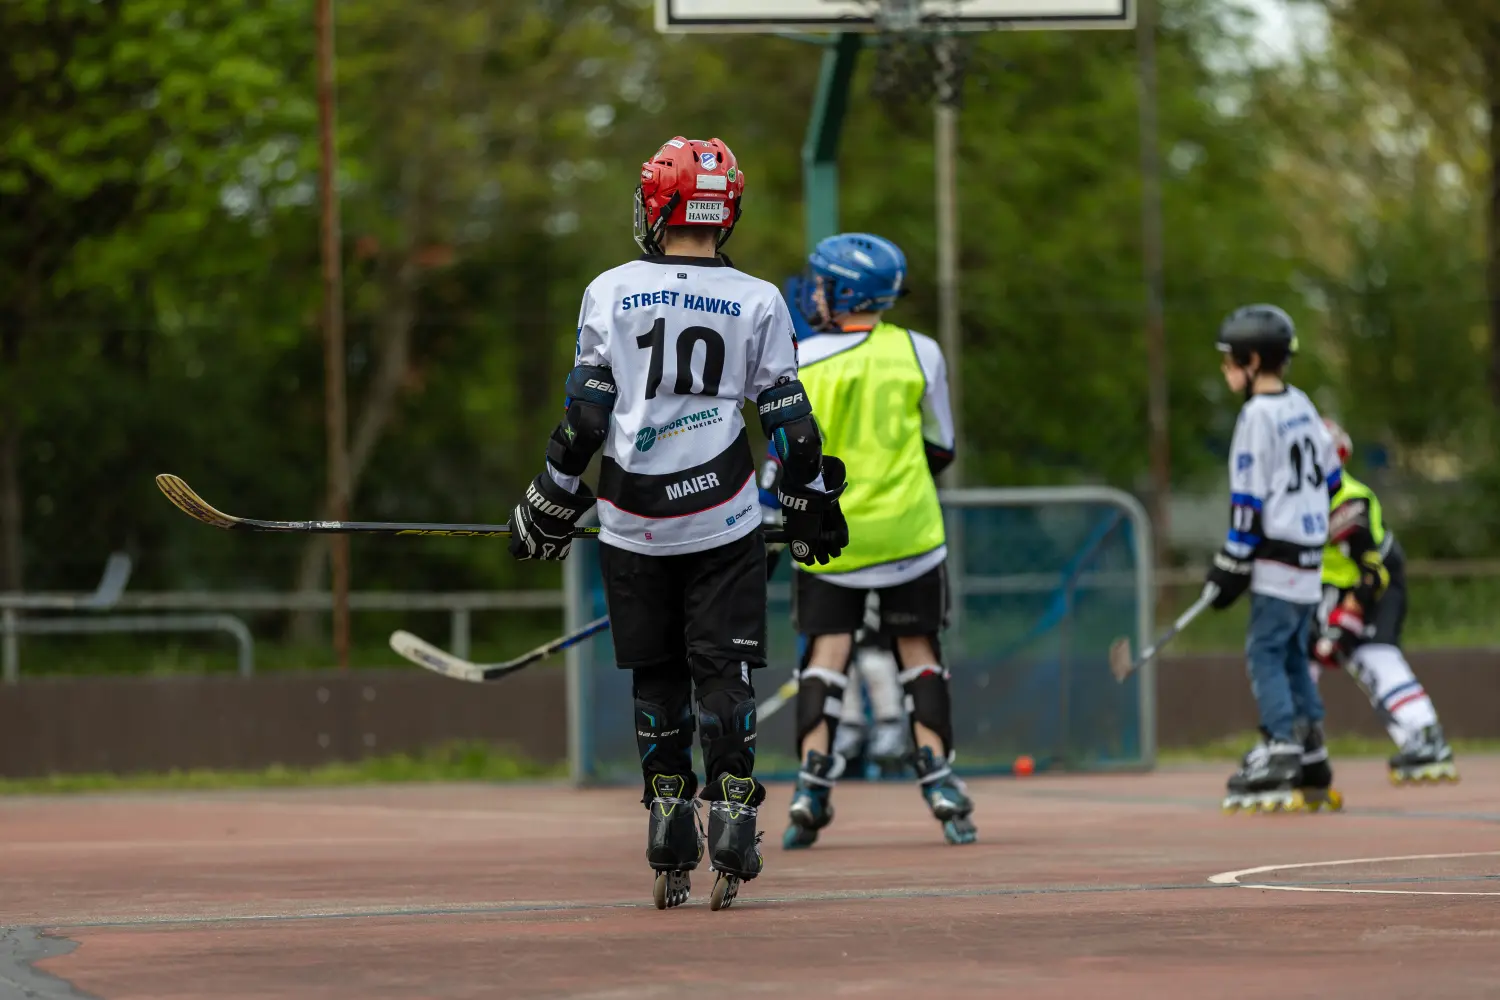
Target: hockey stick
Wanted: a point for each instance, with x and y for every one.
(1120, 663)
(425, 654)
(773, 704)
(194, 506)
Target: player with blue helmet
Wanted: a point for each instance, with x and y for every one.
(883, 392)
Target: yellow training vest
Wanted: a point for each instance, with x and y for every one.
(1338, 569)
(868, 403)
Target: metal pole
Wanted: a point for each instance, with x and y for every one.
(335, 401)
(458, 633)
(1151, 250)
(10, 639)
(945, 147)
(820, 150)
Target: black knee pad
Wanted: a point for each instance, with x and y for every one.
(726, 731)
(820, 698)
(664, 727)
(928, 700)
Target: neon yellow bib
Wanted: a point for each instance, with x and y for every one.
(868, 403)
(1338, 569)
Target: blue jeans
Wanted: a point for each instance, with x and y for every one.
(1276, 651)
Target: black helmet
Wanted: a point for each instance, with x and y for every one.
(1265, 329)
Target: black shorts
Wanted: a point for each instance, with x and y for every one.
(916, 607)
(1390, 610)
(665, 609)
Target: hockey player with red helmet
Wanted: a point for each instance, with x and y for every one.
(1360, 619)
(670, 345)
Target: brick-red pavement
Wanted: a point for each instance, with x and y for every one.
(1080, 887)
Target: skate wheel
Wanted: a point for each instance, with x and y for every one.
(726, 887)
(659, 891)
(1295, 802)
(1335, 800)
(670, 889)
(1395, 778)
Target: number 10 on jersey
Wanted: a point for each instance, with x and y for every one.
(655, 341)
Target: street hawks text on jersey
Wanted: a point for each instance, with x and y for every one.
(688, 340)
(1282, 468)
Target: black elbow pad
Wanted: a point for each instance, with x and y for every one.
(938, 458)
(584, 427)
(786, 417)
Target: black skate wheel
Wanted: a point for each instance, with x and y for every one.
(659, 891)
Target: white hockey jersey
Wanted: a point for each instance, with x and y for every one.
(688, 340)
(1283, 467)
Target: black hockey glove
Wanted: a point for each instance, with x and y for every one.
(815, 526)
(541, 526)
(1231, 576)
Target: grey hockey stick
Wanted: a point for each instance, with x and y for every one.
(1120, 663)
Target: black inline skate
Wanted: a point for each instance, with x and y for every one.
(1317, 774)
(733, 845)
(674, 839)
(944, 795)
(1427, 758)
(811, 808)
(1269, 779)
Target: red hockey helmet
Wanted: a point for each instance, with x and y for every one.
(1341, 440)
(689, 182)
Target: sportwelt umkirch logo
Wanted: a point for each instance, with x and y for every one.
(647, 437)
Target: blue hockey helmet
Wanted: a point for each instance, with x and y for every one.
(792, 292)
(856, 272)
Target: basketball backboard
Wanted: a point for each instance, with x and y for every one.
(770, 16)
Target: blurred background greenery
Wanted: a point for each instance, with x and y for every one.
(159, 279)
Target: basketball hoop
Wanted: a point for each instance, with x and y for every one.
(923, 53)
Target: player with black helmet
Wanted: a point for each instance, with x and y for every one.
(670, 345)
(1282, 469)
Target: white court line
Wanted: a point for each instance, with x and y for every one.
(1233, 878)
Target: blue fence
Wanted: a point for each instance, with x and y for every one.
(1042, 579)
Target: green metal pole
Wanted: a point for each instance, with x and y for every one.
(820, 151)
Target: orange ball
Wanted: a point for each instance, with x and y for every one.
(1024, 765)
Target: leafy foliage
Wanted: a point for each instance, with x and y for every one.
(158, 254)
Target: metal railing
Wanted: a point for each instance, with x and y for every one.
(102, 624)
(460, 606)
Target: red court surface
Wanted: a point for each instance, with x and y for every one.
(1081, 887)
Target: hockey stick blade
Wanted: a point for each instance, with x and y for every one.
(425, 654)
(1120, 663)
(773, 704)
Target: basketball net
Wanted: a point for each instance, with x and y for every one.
(922, 57)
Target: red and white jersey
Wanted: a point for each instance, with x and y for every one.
(689, 340)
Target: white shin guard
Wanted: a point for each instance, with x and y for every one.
(1394, 691)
